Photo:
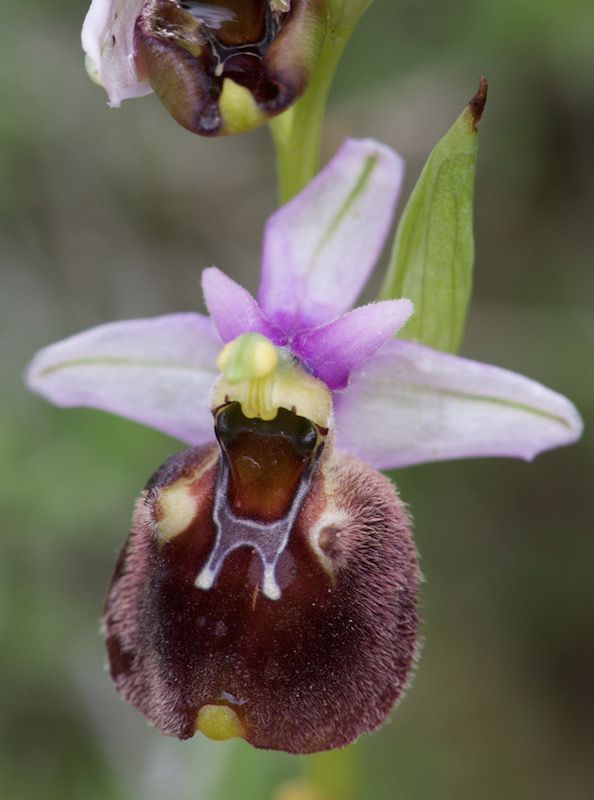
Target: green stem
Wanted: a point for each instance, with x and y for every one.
(297, 133)
(335, 773)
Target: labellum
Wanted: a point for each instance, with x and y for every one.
(268, 586)
(226, 66)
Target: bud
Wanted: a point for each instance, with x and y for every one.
(219, 67)
(267, 590)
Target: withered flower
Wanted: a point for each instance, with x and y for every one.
(268, 587)
(219, 67)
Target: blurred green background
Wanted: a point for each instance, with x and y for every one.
(112, 214)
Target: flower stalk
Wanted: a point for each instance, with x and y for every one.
(335, 773)
(297, 133)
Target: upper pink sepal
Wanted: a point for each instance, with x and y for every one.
(320, 248)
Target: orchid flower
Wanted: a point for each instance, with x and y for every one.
(222, 66)
(268, 588)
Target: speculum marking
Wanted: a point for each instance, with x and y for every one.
(257, 506)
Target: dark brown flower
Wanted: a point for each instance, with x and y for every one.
(226, 66)
(302, 656)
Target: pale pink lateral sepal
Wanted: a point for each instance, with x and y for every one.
(410, 404)
(155, 371)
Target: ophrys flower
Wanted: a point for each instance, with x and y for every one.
(222, 66)
(268, 586)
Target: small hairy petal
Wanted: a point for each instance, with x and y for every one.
(320, 248)
(155, 371)
(335, 350)
(232, 308)
(309, 671)
(108, 41)
(410, 404)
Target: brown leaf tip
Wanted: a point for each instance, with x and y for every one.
(479, 101)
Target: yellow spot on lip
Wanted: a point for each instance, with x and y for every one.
(177, 504)
(176, 509)
(219, 723)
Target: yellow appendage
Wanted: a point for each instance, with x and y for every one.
(219, 723)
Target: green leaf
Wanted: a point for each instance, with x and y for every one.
(345, 14)
(433, 253)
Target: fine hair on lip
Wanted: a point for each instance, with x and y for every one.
(316, 666)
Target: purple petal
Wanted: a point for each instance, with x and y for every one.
(155, 371)
(232, 308)
(411, 404)
(320, 248)
(335, 350)
(108, 41)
